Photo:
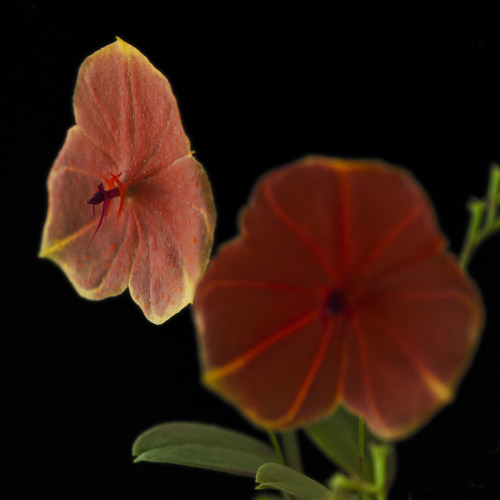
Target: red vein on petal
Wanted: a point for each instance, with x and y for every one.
(298, 232)
(391, 235)
(242, 360)
(433, 383)
(424, 255)
(365, 377)
(310, 376)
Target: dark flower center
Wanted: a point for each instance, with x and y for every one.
(335, 302)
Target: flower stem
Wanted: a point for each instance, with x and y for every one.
(281, 458)
(291, 450)
(380, 453)
(376, 489)
(476, 209)
(484, 219)
(276, 446)
(361, 451)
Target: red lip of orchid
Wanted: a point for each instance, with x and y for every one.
(339, 290)
(129, 144)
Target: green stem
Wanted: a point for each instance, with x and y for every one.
(484, 220)
(276, 446)
(291, 450)
(281, 458)
(361, 452)
(380, 453)
(378, 488)
(476, 209)
(491, 197)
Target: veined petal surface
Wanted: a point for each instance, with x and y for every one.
(339, 289)
(157, 236)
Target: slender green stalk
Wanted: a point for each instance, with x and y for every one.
(380, 453)
(484, 220)
(291, 450)
(476, 209)
(281, 458)
(276, 446)
(492, 195)
(361, 452)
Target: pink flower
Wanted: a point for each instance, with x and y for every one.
(128, 151)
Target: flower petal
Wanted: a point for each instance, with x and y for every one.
(414, 333)
(338, 290)
(126, 107)
(103, 269)
(158, 235)
(175, 226)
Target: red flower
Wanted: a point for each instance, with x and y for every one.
(339, 290)
(128, 143)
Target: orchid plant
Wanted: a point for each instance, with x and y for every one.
(337, 311)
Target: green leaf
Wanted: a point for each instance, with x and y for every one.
(290, 481)
(337, 438)
(204, 446)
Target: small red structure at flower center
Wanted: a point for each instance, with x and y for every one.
(105, 196)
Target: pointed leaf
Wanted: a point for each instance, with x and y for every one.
(286, 479)
(204, 446)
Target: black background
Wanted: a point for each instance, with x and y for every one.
(257, 86)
